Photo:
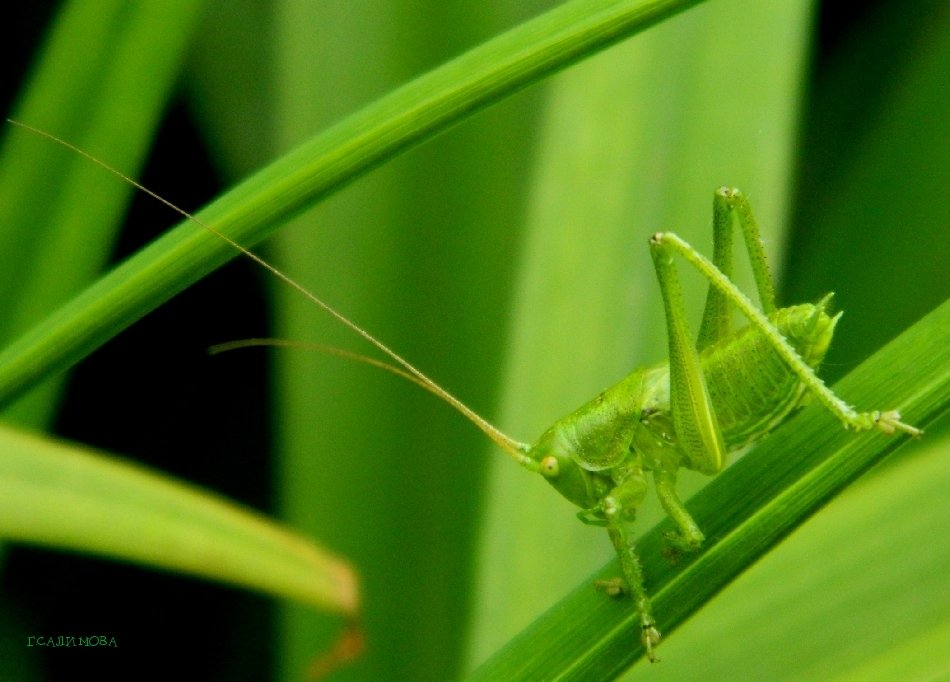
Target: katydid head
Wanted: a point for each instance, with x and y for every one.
(553, 457)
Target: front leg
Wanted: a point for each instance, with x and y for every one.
(617, 518)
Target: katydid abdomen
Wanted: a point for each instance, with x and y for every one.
(752, 389)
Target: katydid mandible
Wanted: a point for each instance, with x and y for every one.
(715, 395)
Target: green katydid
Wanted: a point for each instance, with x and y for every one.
(713, 396)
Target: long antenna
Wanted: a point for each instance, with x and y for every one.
(516, 449)
(319, 348)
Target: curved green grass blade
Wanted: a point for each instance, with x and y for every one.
(745, 511)
(253, 209)
(58, 495)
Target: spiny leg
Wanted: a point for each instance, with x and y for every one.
(632, 575)
(730, 206)
(664, 244)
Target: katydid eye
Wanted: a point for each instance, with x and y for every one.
(549, 467)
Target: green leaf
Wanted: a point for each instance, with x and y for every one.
(58, 495)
